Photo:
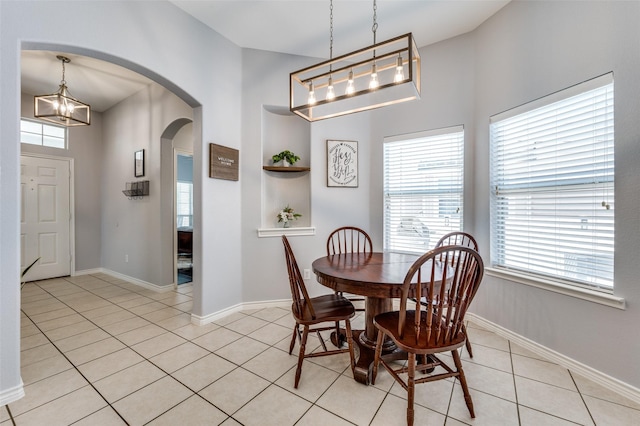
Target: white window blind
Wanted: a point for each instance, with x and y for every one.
(552, 180)
(184, 204)
(36, 133)
(423, 185)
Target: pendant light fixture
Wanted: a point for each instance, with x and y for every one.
(382, 74)
(60, 107)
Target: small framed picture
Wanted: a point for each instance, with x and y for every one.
(138, 163)
(342, 164)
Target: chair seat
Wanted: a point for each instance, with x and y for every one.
(388, 323)
(329, 307)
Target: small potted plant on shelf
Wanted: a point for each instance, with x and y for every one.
(287, 215)
(287, 157)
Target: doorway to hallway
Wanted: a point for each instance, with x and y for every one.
(184, 216)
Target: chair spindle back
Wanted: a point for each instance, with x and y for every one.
(349, 239)
(447, 278)
(299, 293)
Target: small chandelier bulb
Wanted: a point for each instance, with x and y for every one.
(330, 92)
(399, 70)
(312, 95)
(373, 83)
(350, 87)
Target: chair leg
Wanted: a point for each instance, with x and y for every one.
(411, 387)
(347, 325)
(303, 344)
(296, 331)
(463, 383)
(339, 339)
(467, 343)
(376, 359)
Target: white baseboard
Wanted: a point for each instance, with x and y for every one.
(141, 283)
(87, 272)
(8, 396)
(202, 320)
(611, 383)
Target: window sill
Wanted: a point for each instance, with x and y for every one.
(293, 231)
(557, 287)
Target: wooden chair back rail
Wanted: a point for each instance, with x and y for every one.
(298, 290)
(446, 300)
(349, 239)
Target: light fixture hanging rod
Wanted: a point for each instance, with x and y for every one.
(393, 54)
(355, 53)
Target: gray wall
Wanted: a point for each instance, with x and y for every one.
(528, 50)
(85, 147)
(266, 82)
(163, 43)
(132, 227)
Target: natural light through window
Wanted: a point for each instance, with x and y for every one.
(423, 188)
(185, 204)
(36, 133)
(552, 185)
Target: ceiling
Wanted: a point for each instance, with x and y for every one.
(299, 27)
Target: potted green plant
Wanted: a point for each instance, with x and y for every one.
(287, 157)
(22, 280)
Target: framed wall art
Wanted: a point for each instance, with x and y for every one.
(223, 162)
(342, 164)
(138, 163)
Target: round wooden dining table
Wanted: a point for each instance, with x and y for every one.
(378, 277)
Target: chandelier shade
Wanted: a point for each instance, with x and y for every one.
(60, 107)
(382, 74)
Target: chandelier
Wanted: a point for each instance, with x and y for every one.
(60, 107)
(382, 74)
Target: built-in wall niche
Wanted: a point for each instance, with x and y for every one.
(282, 130)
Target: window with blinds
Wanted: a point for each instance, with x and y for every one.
(552, 180)
(423, 185)
(184, 204)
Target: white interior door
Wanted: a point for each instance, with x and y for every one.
(44, 217)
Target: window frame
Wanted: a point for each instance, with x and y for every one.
(42, 134)
(421, 230)
(562, 284)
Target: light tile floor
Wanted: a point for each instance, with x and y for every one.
(97, 350)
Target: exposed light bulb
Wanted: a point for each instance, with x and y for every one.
(399, 70)
(330, 92)
(312, 95)
(373, 83)
(350, 86)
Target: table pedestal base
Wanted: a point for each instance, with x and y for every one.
(364, 364)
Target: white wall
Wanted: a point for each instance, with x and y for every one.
(85, 147)
(162, 42)
(132, 227)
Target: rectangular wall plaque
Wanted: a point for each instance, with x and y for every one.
(223, 162)
(342, 164)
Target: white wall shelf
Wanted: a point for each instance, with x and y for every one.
(293, 231)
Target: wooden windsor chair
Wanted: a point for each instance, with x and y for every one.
(312, 312)
(435, 327)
